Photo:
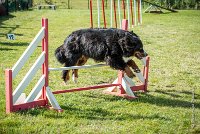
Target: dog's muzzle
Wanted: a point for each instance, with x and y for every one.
(140, 55)
(145, 54)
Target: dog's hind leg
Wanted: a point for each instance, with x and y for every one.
(70, 62)
(80, 62)
(131, 63)
(65, 75)
(118, 63)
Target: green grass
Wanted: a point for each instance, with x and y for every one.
(173, 43)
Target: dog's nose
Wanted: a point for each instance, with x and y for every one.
(145, 54)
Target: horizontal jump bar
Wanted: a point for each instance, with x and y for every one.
(77, 67)
(84, 88)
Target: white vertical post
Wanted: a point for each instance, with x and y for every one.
(140, 11)
(119, 12)
(135, 12)
(111, 16)
(98, 12)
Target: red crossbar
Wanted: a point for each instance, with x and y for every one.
(24, 106)
(138, 88)
(85, 88)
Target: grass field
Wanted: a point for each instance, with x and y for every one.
(173, 42)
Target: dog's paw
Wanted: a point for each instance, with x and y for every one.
(65, 79)
(65, 83)
(137, 70)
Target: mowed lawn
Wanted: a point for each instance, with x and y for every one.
(171, 105)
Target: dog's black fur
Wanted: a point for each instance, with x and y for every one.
(109, 45)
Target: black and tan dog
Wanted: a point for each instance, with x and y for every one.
(109, 45)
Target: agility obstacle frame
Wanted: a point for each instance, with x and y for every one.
(131, 9)
(41, 95)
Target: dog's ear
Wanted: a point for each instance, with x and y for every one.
(132, 33)
(122, 43)
(60, 54)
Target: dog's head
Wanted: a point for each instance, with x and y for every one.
(60, 54)
(132, 45)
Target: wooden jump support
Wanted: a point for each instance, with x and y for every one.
(41, 95)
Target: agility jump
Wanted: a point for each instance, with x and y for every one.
(131, 10)
(41, 95)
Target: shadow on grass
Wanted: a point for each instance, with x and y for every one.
(5, 35)
(4, 18)
(10, 30)
(14, 27)
(172, 93)
(6, 49)
(94, 113)
(156, 100)
(163, 101)
(102, 114)
(14, 43)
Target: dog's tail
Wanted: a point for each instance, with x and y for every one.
(60, 54)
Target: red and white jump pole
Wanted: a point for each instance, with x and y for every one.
(91, 15)
(115, 13)
(124, 9)
(45, 67)
(139, 11)
(131, 7)
(41, 95)
(104, 16)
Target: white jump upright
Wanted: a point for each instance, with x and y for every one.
(16, 100)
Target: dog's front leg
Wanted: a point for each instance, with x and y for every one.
(129, 72)
(80, 62)
(118, 63)
(75, 75)
(131, 63)
(65, 76)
